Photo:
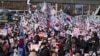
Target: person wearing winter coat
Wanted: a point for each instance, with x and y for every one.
(44, 51)
(93, 43)
(82, 44)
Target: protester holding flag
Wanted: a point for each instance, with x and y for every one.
(49, 33)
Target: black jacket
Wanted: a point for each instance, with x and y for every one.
(44, 52)
(93, 43)
(82, 44)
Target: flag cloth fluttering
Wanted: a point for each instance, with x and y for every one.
(46, 10)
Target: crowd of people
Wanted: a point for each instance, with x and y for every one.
(42, 34)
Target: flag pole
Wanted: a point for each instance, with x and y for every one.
(28, 5)
(82, 9)
(56, 5)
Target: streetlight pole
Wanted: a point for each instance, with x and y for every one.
(2, 4)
